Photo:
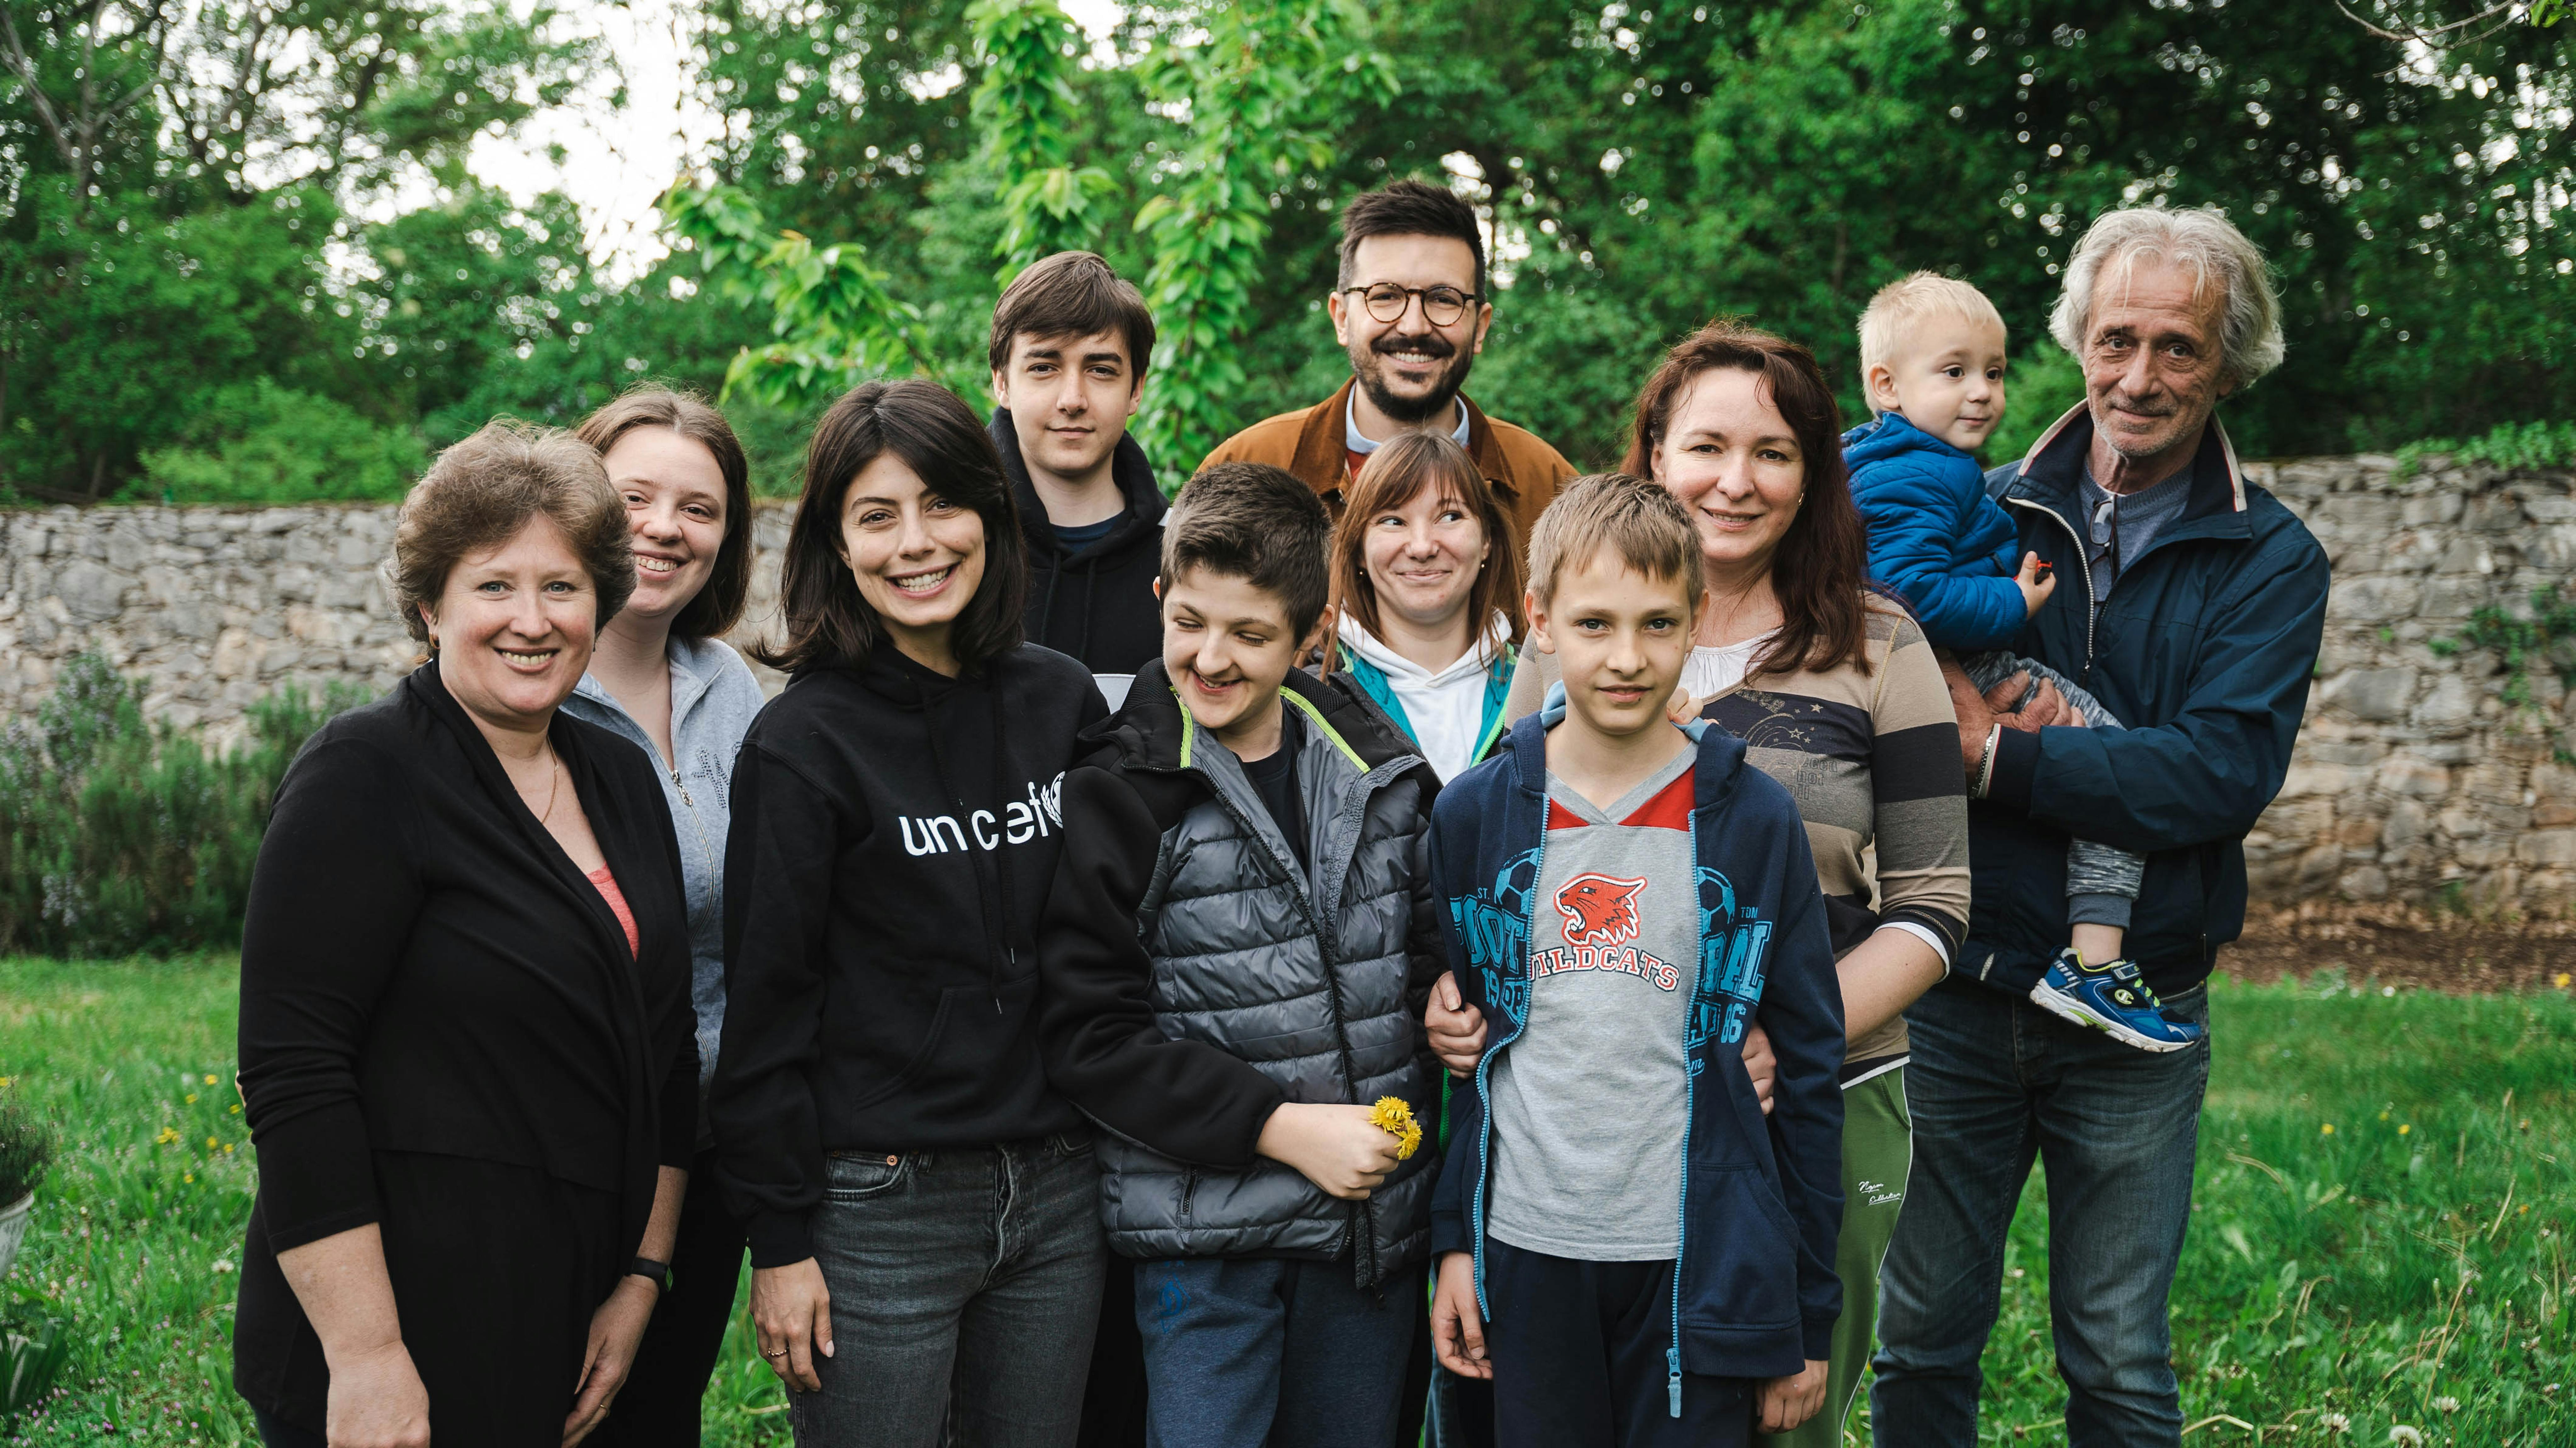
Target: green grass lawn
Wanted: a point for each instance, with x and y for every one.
(2379, 1239)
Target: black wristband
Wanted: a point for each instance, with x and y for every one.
(659, 1273)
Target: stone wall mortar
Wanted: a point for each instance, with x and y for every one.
(2413, 778)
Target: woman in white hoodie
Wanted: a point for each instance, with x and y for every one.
(1427, 597)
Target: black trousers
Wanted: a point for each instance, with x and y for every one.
(1578, 1353)
(658, 1407)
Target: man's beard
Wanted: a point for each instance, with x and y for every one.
(2162, 412)
(1367, 363)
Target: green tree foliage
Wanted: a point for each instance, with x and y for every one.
(119, 835)
(1026, 108)
(883, 167)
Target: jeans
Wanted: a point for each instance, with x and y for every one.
(1995, 1083)
(965, 1284)
(1246, 1351)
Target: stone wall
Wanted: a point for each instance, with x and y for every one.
(2413, 779)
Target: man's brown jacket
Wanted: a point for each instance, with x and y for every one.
(1523, 470)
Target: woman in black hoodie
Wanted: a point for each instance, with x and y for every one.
(922, 1209)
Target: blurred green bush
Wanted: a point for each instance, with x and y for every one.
(122, 836)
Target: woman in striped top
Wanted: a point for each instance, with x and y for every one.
(1838, 697)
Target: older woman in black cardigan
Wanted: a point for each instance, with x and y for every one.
(466, 1041)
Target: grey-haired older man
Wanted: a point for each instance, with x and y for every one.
(2195, 617)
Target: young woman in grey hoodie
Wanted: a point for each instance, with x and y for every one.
(662, 679)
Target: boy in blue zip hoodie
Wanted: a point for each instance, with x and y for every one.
(1932, 364)
(1629, 1249)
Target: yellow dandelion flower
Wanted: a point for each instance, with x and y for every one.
(192, 1098)
(2562, 980)
(212, 1143)
(2326, 1130)
(235, 1108)
(4, 1080)
(2404, 1128)
(188, 1177)
(210, 1080)
(1392, 1116)
(169, 1136)
(228, 1148)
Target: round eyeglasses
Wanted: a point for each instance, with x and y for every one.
(1387, 302)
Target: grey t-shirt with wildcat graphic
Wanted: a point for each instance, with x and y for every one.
(1590, 1102)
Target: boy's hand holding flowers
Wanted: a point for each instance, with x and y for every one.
(1341, 1149)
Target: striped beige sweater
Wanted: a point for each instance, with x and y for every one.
(1873, 760)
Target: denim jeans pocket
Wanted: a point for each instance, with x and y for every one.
(850, 1176)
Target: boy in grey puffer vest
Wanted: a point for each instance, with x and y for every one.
(1236, 956)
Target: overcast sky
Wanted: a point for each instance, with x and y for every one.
(616, 162)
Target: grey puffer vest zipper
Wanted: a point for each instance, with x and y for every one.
(1314, 984)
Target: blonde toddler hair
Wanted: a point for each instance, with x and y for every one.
(1888, 323)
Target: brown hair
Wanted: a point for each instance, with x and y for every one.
(483, 490)
(1821, 569)
(1410, 208)
(1257, 523)
(1392, 477)
(718, 605)
(1072, 294)
(1640, 522)
(830, 624)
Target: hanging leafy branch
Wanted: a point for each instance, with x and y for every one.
(1264, 90)
(1026, 108)
(836, 323)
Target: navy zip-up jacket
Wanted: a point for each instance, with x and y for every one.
(1755, 1291)
(2204, 649)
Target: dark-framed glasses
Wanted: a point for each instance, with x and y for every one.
(1440, 305)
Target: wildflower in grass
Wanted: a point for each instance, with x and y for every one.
(2388, 990)
(2403, 1128)
(2406, 1437)
(169, 1136)
(2447, 1404)
(210, 1080)
(192, 1098)
(222, 1265)
(4, 1080)
(188, 1176)
(2561, 983)
(212, 1143)
(2335, 1423)
(2326, 1130)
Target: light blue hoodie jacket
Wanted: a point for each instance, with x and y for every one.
(713, 699)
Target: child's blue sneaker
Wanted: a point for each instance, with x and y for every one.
(2111, 997)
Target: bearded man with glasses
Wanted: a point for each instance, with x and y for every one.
(1412, 309)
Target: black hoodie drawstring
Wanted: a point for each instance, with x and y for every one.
(1090, 576)
(996, 923)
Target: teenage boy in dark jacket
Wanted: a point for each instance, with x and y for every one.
(1236, 957)
(1068, 351)
(1628, 1248)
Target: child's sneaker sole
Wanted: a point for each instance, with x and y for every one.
(2116, 1029)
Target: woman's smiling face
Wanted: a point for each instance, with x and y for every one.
(514, 626)
(675, 505)
(1733, 460)
(918, 558)
(1422, 558)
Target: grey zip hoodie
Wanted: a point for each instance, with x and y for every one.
(713, 699)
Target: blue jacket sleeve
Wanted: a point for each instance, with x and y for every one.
(1915, 516)
(2211, 771)
(1802, 1011)
(1460, 1154)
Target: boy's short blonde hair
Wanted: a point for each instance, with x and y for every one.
(1902, 303)
(1639, 522)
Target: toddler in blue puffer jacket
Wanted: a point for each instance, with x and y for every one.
(1932, 362)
